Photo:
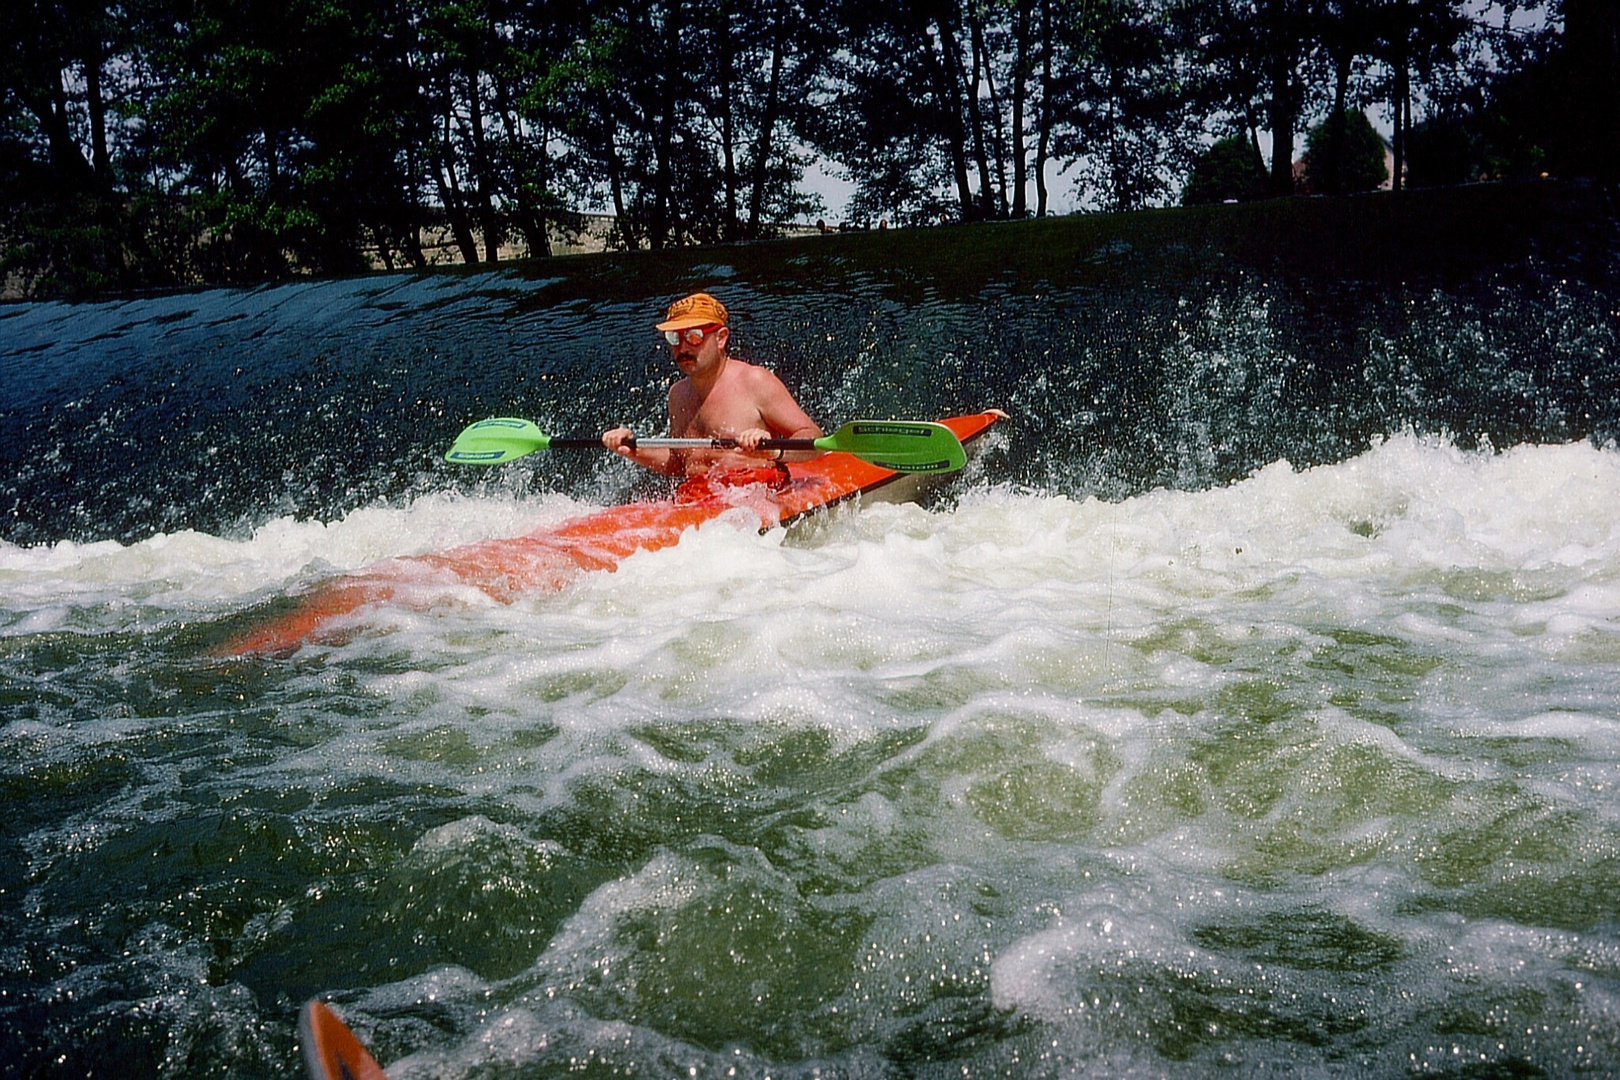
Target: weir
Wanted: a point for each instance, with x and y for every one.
(1182, 348)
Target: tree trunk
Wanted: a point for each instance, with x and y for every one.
(540, 221)
(998, 140)
(663, 229)
(444, 175)
(67, 161)
(385, 247)
(1020, 203)
(455, 212)
(987, 198)
(728, 58)
(531, 220)
(1283, 50)
(1403, 117)
(101, 162)
(628, 229)
(410, 221)
(1333, 172)
(940, 73)
(488, 223)
(1043, 143)
(408, 209)
(763, 145)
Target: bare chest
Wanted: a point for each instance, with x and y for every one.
(723, 412)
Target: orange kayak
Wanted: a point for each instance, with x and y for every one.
(330, 1049)
(549, 559)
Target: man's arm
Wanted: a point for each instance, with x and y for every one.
(780, 417)
(667, 462)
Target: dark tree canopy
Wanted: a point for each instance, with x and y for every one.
(1355, 164)
(156, 142)
(1230, 171)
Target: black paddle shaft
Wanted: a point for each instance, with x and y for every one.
(689, 444)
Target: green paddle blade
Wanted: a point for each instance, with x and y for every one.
(908, 446)
(490, 442)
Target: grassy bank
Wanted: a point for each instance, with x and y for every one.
(1434, 233)
(1431, 234)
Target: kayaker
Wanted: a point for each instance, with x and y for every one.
(723, 397)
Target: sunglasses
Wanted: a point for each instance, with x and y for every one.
(693, 336)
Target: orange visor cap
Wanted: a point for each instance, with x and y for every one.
(699, 309)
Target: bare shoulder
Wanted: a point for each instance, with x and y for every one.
(748, 369)
(778, 409)
(754, 375)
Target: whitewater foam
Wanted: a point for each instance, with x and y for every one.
(1322, 752)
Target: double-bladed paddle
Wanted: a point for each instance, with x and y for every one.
(908, 446)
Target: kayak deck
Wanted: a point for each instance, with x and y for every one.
(547, 560)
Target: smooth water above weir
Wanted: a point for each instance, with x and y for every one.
(1253, 701)
(1178, 348)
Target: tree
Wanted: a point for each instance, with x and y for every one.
(1022, 74)
(1587, 124)
(680, 117)
(1414, 37)
(1348, 32)
(1230, 171)
(40, 47)
(59, 225)
(1360, 160)
(1120, 96)
(752, 84)
(1440, 151)
(1245, 61)
(1284, 29)
(890, 112)
(1506, 114)
(171, 141)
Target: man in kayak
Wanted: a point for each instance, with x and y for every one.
(720, 397)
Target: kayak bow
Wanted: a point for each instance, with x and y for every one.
(330, 1049)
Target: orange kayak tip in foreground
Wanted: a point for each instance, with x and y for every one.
(331, 1050)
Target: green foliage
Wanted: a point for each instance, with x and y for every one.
(1229, 171)
(1133, 134)
(887, 111)
(66, 247)
(83, 245)
(1354, 145)
(1442, 151)
(156, 142)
